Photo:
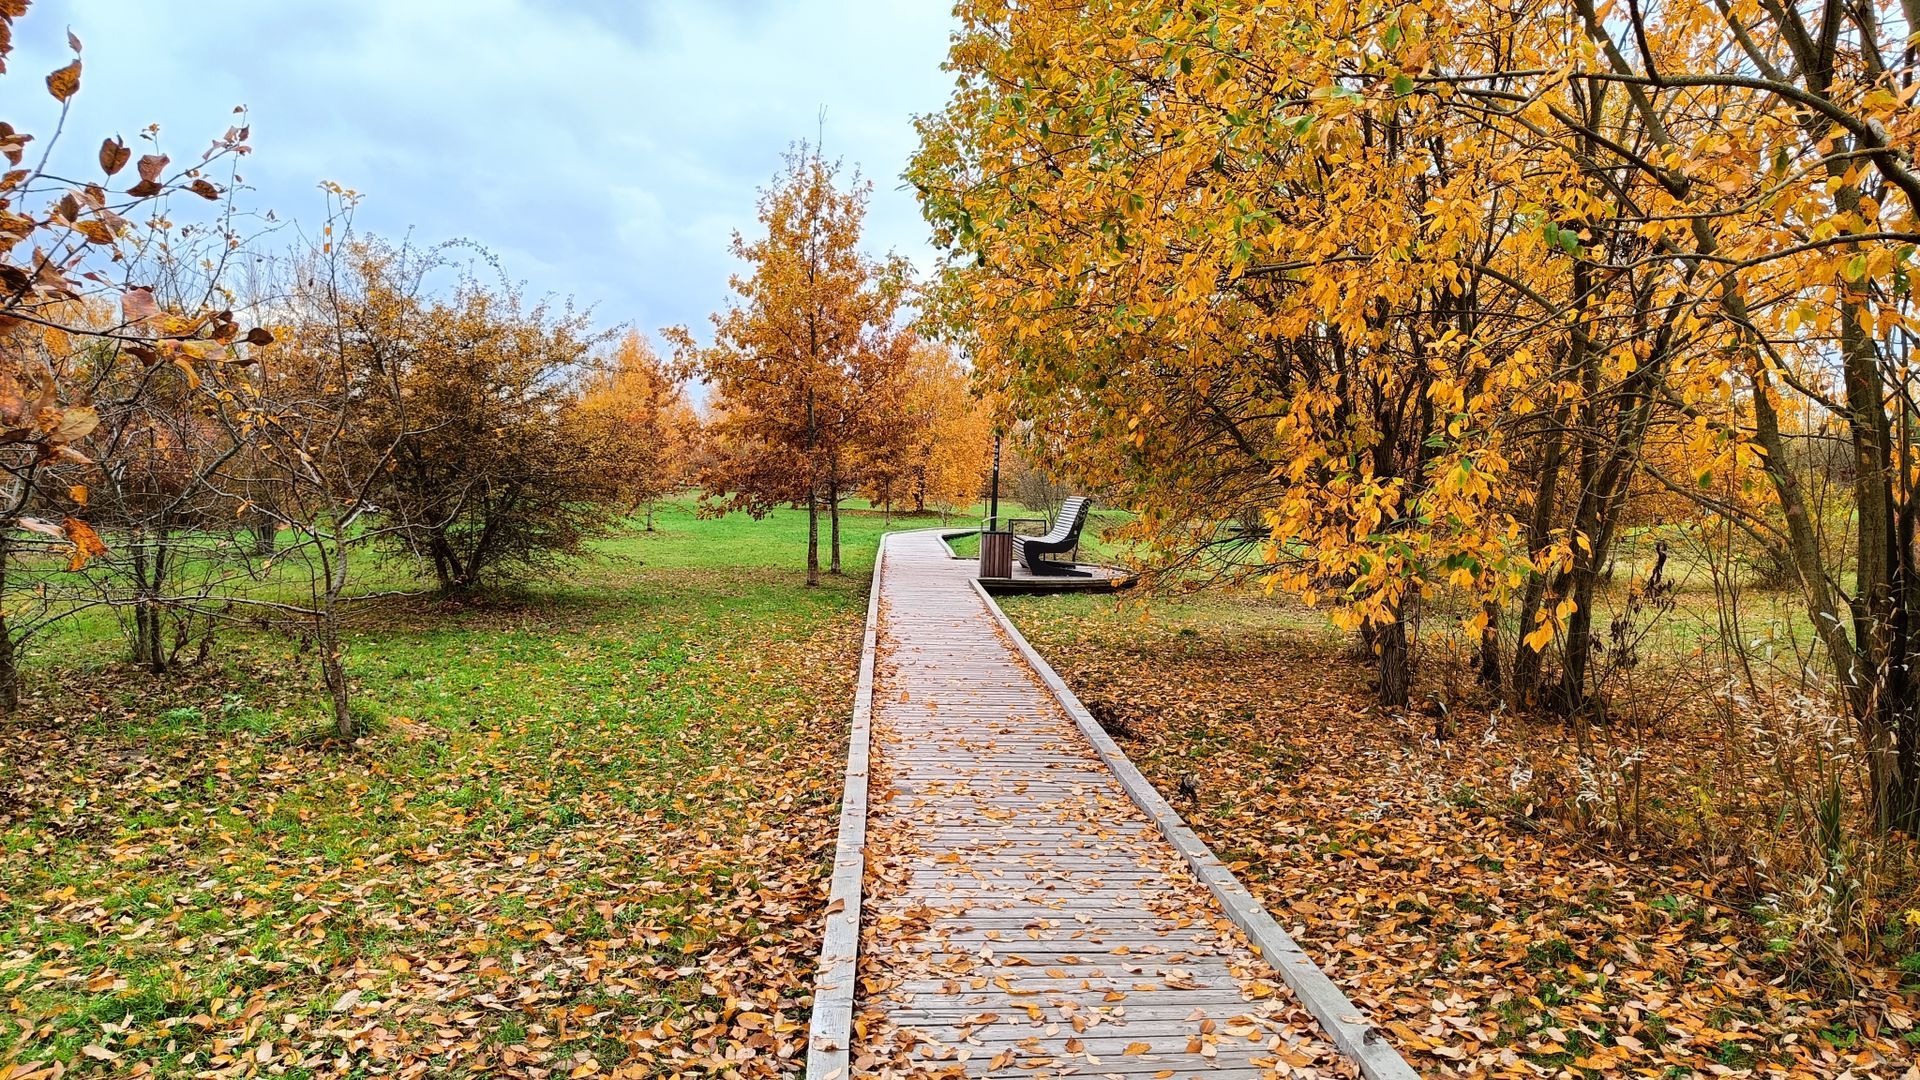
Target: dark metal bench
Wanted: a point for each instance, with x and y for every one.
(1062, 539)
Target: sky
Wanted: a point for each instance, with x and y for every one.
(602, 149)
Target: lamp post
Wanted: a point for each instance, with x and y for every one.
(993, 493)
(996, 547)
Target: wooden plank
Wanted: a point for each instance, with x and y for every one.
(1344, 1021)
(1015, 871)
(830, 1028)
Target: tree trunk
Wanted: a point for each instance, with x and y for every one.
(1603, 497)
(833, 512)
(1394, 663)
(333, 670)
(9, 670)
(266, 534)
(333, 666)
(148, 650)
(9, 659)
(1579, 579)
(149, 613)
(1578, 648)
(1527, 661)
(1874, 665)
(1883, 569)
(813, 533)
(144, 641)
(1490, 673)
(446, 563)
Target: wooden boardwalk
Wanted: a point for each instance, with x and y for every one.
(1023, 916)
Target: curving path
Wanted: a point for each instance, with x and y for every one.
(1023, 916)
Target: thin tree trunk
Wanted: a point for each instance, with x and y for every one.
(833, 511)
(1526, 660)
(813, 476)
(1599, 517)
(9, 670)
(9, 659)
(334, 671)
(158, 658)
(333, 666)
(146, 635)
(813, 533)
(1880, 631)
(265, 529)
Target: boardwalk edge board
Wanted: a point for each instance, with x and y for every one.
(1343, 1021)
(830, 1031)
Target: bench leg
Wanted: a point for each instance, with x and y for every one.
(1044, 567)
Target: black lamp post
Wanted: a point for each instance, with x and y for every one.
(996, 547)
(993, 492)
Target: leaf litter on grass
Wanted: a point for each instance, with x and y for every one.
(1488, 942)
(603, 854)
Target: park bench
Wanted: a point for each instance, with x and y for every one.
(1062, 539)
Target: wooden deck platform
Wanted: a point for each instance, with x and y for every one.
(1027, 911)
(1087, 577)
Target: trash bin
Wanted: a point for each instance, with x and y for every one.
(996, 554)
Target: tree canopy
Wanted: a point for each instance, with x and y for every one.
(1433, 293)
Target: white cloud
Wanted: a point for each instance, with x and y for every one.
(602, 148)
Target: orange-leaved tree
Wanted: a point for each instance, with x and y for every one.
(800, 360)
(1173, 255)
(487, 481)
(641, 430)
(936, 447)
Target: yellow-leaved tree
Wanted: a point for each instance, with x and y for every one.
(1378, 299)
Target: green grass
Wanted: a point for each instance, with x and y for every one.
(611, 792)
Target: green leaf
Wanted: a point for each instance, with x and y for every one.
(1402, 85)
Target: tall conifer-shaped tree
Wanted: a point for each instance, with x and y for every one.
(802, 353)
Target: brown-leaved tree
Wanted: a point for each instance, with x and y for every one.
(799, 360)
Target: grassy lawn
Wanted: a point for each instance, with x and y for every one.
(586, 834)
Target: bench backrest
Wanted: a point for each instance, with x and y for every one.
(1073, 515)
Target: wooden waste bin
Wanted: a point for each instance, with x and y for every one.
(996, 554)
